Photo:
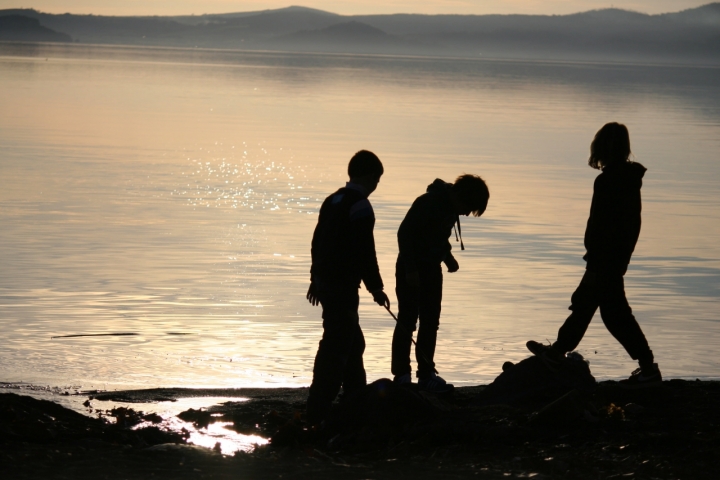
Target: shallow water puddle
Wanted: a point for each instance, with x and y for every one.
(229, 442)
(217, 435)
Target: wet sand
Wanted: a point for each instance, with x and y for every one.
(667, 432)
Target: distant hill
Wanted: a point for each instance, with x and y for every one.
(706, 15)
(689, 36)
(306, 18)
(288, 19)
(19, 28)
(345, 37)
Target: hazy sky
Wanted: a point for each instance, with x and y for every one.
(177, 7)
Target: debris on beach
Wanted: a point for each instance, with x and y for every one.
(572, 427)
(530, 420)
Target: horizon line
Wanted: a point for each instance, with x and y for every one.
(364, 14)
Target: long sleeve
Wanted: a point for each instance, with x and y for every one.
(362, 224)
(614, 225)
(409, 232)
(603, 234)
(423, 236)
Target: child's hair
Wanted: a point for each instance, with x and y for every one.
(365, 163)
(610, 145)
(473, 192)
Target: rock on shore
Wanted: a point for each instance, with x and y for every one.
(667, 432)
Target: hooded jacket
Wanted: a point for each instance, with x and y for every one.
(343, 246)
(424, 232)
(615, 218)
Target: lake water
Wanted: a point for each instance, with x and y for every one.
(171, 195)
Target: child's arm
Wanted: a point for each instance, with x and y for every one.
(362, 223)
(450, 262)
(613, 227)
(408, 233)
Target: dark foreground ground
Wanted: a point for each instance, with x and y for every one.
(668, 432)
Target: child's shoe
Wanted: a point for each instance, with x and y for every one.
(643, 377)
(550, 357)
(435, 384)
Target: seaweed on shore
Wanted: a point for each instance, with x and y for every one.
(667, 432)
(529, 421)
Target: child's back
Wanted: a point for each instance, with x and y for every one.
(343, 248)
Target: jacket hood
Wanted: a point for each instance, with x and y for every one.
(630, 169)
(441, 189)
(631, 172)
(438, 186)
(636, 170)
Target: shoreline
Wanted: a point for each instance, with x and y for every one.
(665, 432)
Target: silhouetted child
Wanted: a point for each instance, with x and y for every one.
(423, 240)
(610, 237)
(343, 254)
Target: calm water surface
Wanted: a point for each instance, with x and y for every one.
(171, 195)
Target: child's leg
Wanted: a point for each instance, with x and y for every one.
(340, 326)
(620, 321)
(584, 303)
(429, 306)
(407, 298)
(354, 378)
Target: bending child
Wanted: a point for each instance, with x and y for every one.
(343, 254)
(423, 241)
(610, 237)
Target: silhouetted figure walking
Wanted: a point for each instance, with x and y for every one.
(610, 237)
(423, 240)
(343, 254)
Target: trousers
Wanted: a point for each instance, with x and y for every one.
(423, 304)
(339, 359)
(607, 292)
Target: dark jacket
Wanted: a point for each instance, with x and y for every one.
(424, 232)
(614, 224)
(343, 246)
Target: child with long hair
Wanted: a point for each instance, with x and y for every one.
(610, 237)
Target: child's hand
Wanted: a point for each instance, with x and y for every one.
(381, 298)
(312, 296)
(451, 264)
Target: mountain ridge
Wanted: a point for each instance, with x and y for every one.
(688, 36)
(18, 28)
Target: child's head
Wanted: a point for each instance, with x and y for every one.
(473, 193)
(366, 169)
(610, 145)
(365, 163)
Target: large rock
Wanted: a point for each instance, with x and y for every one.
(383, 410)
(384, 403)
(530, 383)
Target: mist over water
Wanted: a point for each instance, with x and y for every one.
(172, 194)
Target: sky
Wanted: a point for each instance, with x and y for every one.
(347, 7)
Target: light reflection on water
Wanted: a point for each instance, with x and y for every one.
(229, 442)
(158, 197)
(215, 433)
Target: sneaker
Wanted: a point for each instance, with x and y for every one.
(435, 384)
(550, 357)
(402, 379)
(643, 377)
